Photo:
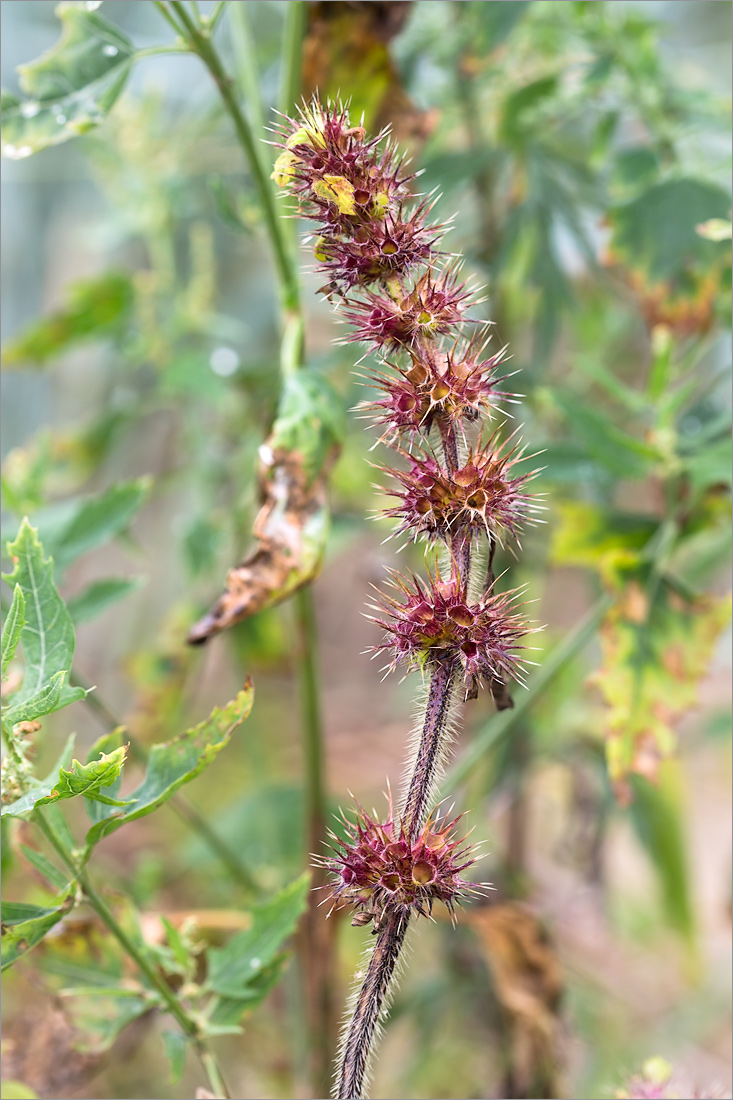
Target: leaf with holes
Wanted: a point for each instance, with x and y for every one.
(69, 89)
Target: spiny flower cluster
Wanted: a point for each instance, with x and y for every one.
(478, 497)
(377, 866)
(435, 623)
(436, 384)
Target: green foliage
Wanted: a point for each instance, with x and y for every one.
(24, 926)
(47, 636)
(12, 628)
(310, 422)
(99, 595)
(95, 308)
(72, 87)
(173, 763)
(243, 972)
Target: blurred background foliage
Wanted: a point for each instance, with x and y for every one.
(582, 150)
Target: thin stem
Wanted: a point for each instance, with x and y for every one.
(430, 748)
(370, 1002)
(284, 256)
(185, 810)
(160, 5)
(311, 714)
(247, 74)
(292, 55)
(216, 13)
(137, 954)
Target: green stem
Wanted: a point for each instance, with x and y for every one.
(160, 5)
(284, 255)
(292, 56)
(137, 954)
(500, 724)
(311, 714)
(248, 77)
(185, 810)
(215, 15)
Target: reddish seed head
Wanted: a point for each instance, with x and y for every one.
(452, 387)
(436, 623)
(433, 307)
(377, 866)
(479, 497)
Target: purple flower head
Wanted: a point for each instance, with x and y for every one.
(436, 623)
(377, 865)
(433, 307)
(478, 497)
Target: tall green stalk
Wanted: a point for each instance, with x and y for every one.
(317, 947)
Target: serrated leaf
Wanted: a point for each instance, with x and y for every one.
(26, 803)
(89, 780)
(99, 595)
(610, 446)
(176, 762)
(226, 1012)
(233, 969)
(43, 865)
(95, 308)
(107, 743)
(12, 627)
(47, 636)
(25, 926)
(71, 87)
(43, 702)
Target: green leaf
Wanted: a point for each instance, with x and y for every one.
(658, 817)
(173, 763)
(108, 743)
(71, 87)
(47, 636)
(18, 912)
(25, 926)
(43, 865)
(43, 702)
(89, 780)
(226, 1012)
(12, 627)
(99, 595)
(96, 520)
(100, 1014)
(176, 1044)
(310, 421)
(612, 447)
(234, 968)
(520, 102)
(95, 308)
(26, 803)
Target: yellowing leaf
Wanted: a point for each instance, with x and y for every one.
(583, 535)
(284, 169)
(338, 190)
(649, 676)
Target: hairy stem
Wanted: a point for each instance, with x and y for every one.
(430, 747)
(368, 1006)
(137, 953)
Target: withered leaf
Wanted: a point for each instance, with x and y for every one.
(291, 527)
(528, 983)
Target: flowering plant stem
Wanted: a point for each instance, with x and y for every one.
(137, 952)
